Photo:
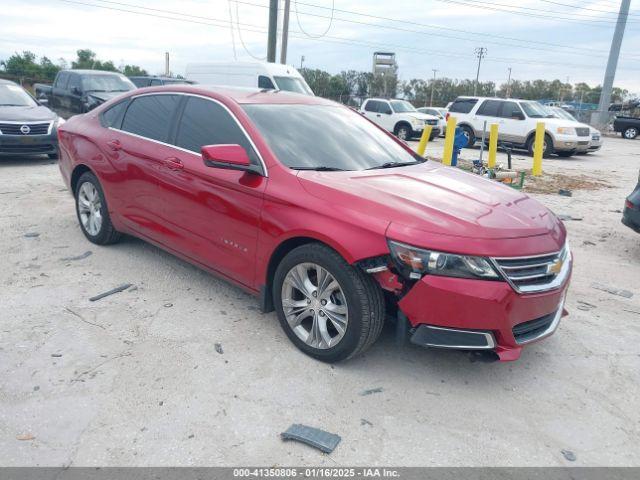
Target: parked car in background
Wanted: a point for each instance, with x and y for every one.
(629, 127)
(517, 120)
(399, 117)
(330, 220)
(268, 76)
(436, 112)
(151, 81)
(26, 126)
(79, 91)
(594, 144)
(631, 212)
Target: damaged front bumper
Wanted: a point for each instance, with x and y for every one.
(456, 313)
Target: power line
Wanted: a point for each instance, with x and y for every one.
(588, 52)
(328, 39)
(333, 7)
(611, 12)
(233, 38)
(261, 59)
(496, 7)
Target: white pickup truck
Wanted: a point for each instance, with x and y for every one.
(399, 117)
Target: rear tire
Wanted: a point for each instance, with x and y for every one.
(471, 137)
(338, 310)
(92, 211)
(548, 146)
(630, 133)
(568, 154)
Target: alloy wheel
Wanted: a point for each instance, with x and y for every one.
(89, 205)
(403, 134)
(314, 305)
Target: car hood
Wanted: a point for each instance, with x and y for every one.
(26, 114)
(422, 116)
(432, 198)
(103, 96)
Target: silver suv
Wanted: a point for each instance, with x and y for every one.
(517, 120)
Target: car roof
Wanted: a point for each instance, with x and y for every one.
(240, 95)
(7, 82)
(466, 97)
(91, 72)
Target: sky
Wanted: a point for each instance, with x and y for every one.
(535, 38)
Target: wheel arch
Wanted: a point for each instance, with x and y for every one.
(77, 172)
(532, 134)
(400, 123)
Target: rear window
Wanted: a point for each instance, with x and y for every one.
(150, 116)
(489, 108)
(463, 105)
(265, 82)
(371, 106)
(112, 117)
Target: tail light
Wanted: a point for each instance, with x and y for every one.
(629, 205)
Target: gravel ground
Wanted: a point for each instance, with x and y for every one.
(136, 378)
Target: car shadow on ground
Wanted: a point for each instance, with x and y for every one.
(26, 161)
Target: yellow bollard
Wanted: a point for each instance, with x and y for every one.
(493, 145)
(538, 150)
(447, 155)
(426, 134)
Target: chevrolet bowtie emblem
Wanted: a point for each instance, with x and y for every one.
(555, 267)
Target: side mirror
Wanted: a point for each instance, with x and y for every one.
(76, 91)
(230, 157)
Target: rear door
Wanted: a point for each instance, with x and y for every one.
(139, 151)
(370, 111)
(213, 214)
(488, 112)
(73, 99)
(58, 92)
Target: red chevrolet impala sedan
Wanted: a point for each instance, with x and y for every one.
(328, 219)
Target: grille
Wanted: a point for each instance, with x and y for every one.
(534, 274)
(595, 137)
(26, 148)
(583, 132)
(15, 128)
(583, 143)
(431, 122)
(527, 331)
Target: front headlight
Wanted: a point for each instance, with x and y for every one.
(415, 262)
(566, 130)
(416, 122)
(60, 121)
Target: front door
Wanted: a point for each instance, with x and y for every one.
(513, 126)
(213, 213)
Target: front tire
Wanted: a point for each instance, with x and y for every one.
(630, 133)
(92, 211)
(328, 309)
(567, 154)
(404, 132)
(547, 146)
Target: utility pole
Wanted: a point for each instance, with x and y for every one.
(433, 84)
(273, 31)
(301, 61)
(509, 84)
(612, 64)
(285, 32)
(167, 71)
(481, 52)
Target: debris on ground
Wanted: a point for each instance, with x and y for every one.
(168, 305)
(612, 291)
(31, 235)
(77, 257)
(569, 455)
(564, 217)
(588, 242)
(371, 391)
(218, 347)
(324, 441)
(565, 193)
(584, 306)
(121, 288)
(551, 183)
(364, 421)
(25, 436)
(56, 355)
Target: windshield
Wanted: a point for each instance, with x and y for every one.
(400, 106)
(292, 84)
(562, 113)
(326, 137)
(15, 96)
(106, 83)
(535, 110)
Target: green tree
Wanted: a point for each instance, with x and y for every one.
(21, 65)
(133, 70)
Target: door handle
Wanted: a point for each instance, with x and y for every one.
(377, 115)
(173, 163)
(114, 145)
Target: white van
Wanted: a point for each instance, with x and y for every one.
(248, 74)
